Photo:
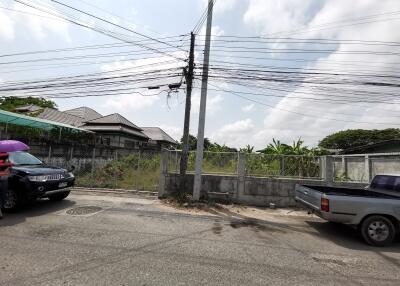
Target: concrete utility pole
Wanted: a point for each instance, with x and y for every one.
(189, 82)
(203, 102)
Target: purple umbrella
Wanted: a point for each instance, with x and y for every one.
(12, 145)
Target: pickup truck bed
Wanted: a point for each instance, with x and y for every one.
(348, 192)
(374, 211)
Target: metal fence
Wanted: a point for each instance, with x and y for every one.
(109, 168)
(363, 167)
(140, 170)
(256, 165)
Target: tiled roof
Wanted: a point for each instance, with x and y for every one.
(61, 117)
(84, 112)
(114, 118)
(157, 134)
(114, 128)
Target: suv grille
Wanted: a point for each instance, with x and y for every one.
(55, 177)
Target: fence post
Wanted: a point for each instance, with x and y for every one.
(49, 155)
(92, 171)
(327, 169)
(344, 166)
(367, 168)
(282, 165)
(162, 192)
(241, 176)
(138, 169)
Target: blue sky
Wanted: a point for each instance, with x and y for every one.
(230, 120)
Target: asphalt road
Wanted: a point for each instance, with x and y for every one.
(131, 241)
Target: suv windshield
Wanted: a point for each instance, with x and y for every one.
(23, 158)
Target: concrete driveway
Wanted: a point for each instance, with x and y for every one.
(108, 240)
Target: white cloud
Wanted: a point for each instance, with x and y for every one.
(173, 131)
(39, 25)
(134, 11)
(292, 15)
(235, 134)
(213, 103)
(7, 31)
(266, 16)
(130, 102)
(248, 108)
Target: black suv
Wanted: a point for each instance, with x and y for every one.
(30, 179)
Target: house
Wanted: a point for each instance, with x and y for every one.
(112, 130)
(387, 146)
(159, 139)
(117, 131)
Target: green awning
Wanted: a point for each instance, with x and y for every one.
(28, 121)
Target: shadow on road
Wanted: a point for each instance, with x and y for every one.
(37, 208)
(348, 237)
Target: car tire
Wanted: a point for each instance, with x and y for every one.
(378, 230)
(59, 196)
(13, 200)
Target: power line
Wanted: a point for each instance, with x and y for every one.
(114, 54)
(117, 16)
(290, 40)
(111, 23)
(33, 14)
(89, 47)
(306, 115)
(105, 32)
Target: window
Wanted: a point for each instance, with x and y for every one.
(23, 158)
(107, 141)
(397, 185)
(383, 182)
(130, 144)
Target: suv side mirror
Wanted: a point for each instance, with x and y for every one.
(71, 168)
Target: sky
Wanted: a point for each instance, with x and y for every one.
(231, 120)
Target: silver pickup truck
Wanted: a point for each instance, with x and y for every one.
(374, 210)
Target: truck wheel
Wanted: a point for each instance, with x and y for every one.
(59, 196)
(378, 230)
(12, 200)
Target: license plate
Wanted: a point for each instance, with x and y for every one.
(62, 185)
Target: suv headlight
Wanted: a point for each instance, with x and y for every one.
(37, 178)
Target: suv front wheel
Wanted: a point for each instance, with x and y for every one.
(13, 200)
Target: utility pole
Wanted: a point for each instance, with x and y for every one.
(203, 102)
(189, 83)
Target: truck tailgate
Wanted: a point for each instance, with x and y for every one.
(308, 197)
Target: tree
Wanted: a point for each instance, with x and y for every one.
(247, 149)
(358, 137)
(276, 147)
(193, 143)
(12, 102)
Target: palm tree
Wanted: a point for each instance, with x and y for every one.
(276, 147)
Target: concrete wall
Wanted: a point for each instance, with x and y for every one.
(254, 191)
(364, 167)
(357, 170)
